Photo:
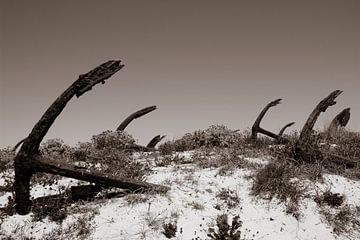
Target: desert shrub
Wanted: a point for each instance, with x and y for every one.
(230, 160)
(197, 205)
(312, 145)
(53, 207)
(6, 158)
(225, 231)
(310, 169)
(80, 229)
(6, 166)
(227, 159)
(330, 199)
(344, 220)
(134, 199)
(276, 180)
(112, 140)
(167, 148)
(204, 157)
(83, 153)
(347, 144)
(311, 163)
(107, 152)
(214, 136)
(45, 179)
(56, 149)
(9, 208)
(169, 229)
(166, 160)
(229, 197)
(114, 162)
(320, 153)
(8, 179)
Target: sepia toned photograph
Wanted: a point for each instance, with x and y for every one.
(184, 120)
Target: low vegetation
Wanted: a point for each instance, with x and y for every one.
(169, 229)
(280, 178)
(276, 180)
(343, 220)
(225, 231)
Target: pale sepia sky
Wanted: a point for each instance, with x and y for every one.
(200, 62)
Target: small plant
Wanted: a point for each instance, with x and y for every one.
(330, 199)
(276, 180)
(80, 229)
(45, 179)
(153, 220)
(8, 179)
(226, 159)
(197, 206)
(230, 197)
(321, 151)
(347, 144)
(169, 229)
(107, 152)
(54, 208)
(9, 208)
(112, 140)
(213, 136)
(169, 159)
(6, 159)
(344, 219)
(230, 160)
(134, 199)
(224, 231)
(166, 148)
(56, 149)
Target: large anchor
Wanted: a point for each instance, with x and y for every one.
(29, 161)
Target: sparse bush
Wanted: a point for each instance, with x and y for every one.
(112, 140)
(167, 148)
(227, 159)
(45, 179)
(230, 160)
(6, 159)
(6, 174)
(9, 208)
(154, 221)
(8, 182)
(134, 199)
(347, 144)
(197, 206)
(204, 158)
(330, 199)
(344, 219)
(312, 146)
(319, 153)
(214, 136)
(230, 198)
(169, 229)
(80, 229)
(53, 207)
(56, 149)
(224, 231)
(276, 180)
(166, 160)
(107, 152)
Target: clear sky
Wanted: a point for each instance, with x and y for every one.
(201, 62)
